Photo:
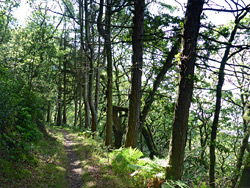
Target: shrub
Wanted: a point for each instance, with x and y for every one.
(19, 110)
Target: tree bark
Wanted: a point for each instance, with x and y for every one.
(244, 143)
(106, 34)
(59, 109)
(80, 107)
(85, 64)
(76, 103)
(149, 141)
(136, 73)
(89, 50)
(185, 89)
(64, 88)
(48, 113)
(245, 178)
(118, 129)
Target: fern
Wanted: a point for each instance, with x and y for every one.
(124, 159)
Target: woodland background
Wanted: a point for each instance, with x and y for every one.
(174, 87)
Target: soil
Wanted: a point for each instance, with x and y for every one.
(74, 170)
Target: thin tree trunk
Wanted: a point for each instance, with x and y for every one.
(85, 64)
(109, 120)
(76, 104)
(64, 92)
(55, 115)
(218, 103)
(245, 177)
(59, 99)
(149, 141)
(239, 163)
(48, 113)
(136, 73)
(99, 68)
(90, 54)
(185, 89)
(244, 144)
(150, 98)
(106, 34)
(80, 108)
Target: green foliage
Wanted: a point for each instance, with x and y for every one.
(173, 184)
(203, 185)
(124, 160)
(149, 171)
(46, 168)
(19, 112)
(144, 171)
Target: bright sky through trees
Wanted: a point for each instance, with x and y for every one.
(222, 18)
(24, 11)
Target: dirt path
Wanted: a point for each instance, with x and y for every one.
(74, 170)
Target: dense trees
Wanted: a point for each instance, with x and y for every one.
(134, 77)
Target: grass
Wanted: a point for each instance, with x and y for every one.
(46, 167)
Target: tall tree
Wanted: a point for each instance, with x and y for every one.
(106, 34)
(85, 64)
(185, 89)
(220, 83)
(64, 79)
(89, 51)
(136, 73)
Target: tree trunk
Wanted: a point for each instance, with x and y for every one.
(85, 64)
(98, 75)
(85, 97)
(185, 89)
(76, 103)
(218, 103)
(244, 143)
(118, 129)
(118, 132)
(64, 92)
(149, 141)
(80, 108)
(136, 73)
(245, 178)
(59, 99)
(90, 54)
(106, 34)
(109, 120)
(150, 98)
(48, 113)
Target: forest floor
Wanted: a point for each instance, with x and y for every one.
(74, 170)
(62, 159)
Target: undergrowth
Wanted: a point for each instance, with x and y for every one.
(102, 167)
(46, 166)
(124, 167)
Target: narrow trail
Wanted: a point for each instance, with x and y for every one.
(74, 170)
